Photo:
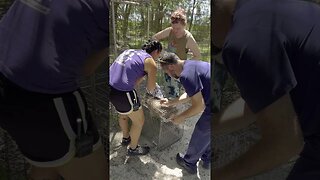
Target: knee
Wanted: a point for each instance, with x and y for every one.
(139, 122)
(123, 118)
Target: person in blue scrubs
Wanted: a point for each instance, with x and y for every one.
(194, 76)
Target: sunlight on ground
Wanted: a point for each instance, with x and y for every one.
(175, 172)
(113, 155)
(146, 159)
(158, 165)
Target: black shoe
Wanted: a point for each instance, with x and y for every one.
(185, 165)
(126, 141)
(139, 150)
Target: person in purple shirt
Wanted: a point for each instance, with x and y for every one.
(45, 47)
(126, 73)
(272, 50)
(194, 75)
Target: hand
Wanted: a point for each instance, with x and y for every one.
(165, 102)
(177, 119)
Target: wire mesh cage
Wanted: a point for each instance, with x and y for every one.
(12, 164)
(157, 129)
(95, 89)
(4, 6)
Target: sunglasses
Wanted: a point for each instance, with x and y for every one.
(177, 20)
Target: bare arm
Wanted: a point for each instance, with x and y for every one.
(281, 139)
(179, 100)
(151, 68)
(193, 46)
(196, 107)
(94, 61)
(162, 34)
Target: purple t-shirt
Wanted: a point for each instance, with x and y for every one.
(127, 69)
(195, 77)
(43, 44)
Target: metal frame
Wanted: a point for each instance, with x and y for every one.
(136, 2)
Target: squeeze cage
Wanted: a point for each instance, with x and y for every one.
(12, 164)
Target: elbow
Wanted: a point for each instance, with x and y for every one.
(293, 149)
(295, 143)
(197, 108)
(286, 147)
(297, 146)
(154, 37)
(201, 107)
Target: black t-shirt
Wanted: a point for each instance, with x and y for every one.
(273, 49)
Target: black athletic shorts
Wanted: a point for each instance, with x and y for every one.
(125, 102)
(44, 126)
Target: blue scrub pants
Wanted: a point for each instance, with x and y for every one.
(199, 145)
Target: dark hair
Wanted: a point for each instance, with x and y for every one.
(152, 45)
(168, 58)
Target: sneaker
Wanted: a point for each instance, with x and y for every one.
(139, 150)
(205, 165)
(126, 141)
(189, 168)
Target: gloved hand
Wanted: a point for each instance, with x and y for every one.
(157, 93)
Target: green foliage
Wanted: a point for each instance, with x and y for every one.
(4, 6)
(132, 26)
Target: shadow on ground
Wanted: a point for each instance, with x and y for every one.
(157, 164)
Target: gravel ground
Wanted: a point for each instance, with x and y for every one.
(157, 164)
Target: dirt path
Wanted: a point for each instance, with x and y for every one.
(157, 164)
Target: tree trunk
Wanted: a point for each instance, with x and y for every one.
(144, 20)
(116, 7)
(192, 15)
(126, 15)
